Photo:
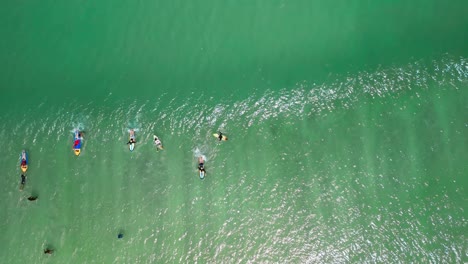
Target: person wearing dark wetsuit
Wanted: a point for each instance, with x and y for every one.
(23, 182)
(202, 169)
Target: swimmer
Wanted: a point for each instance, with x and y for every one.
(201, 163)
(23, 181)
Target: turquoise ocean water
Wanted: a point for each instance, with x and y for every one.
(347, 125)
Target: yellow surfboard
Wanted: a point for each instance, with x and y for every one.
(24, 157)
(77, 151)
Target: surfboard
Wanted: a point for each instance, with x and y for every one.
(131, 146)
(216, 135)
(77, 151)
(24, 167)
(159, 146)
(202, 174)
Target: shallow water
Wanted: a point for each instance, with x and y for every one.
(347, 133)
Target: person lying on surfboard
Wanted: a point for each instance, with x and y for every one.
(76, 143)
(221, 136)
(132, 137)
(158, 143)
(201, 164)
(78, 138)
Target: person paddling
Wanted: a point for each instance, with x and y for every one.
(23, 181)
(132, 137)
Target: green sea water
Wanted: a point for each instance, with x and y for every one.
(347, 125)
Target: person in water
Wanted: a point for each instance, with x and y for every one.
(23, 158)
(77, 142)
(220, 136)
(32, 198)
(23, 162)
(201, 164)
(48, 251)
(132, 137)
(157, 142)
(23, 181)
